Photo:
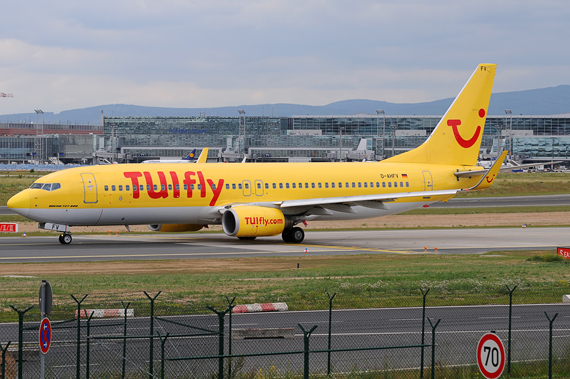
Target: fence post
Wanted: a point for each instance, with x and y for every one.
(550, 344)
(433, 346)
(510, 327)
(4, 350)
(162, 343)
(331, 298)
(151, 340)
(78, 363)
(124, 339)
(424, 294)
(88, 317)
(231, 307)
(20, 336)
(306, 336)
(221, 315)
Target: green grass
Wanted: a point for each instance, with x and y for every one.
(359, 281)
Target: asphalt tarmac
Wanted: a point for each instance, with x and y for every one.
(218, 245)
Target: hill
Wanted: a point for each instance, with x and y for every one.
(543, 101)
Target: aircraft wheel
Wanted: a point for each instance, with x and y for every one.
(297, 235)
(65, 239)
(246, 238)
(286, 235)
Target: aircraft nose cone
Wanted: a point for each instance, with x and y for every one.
(20, 203)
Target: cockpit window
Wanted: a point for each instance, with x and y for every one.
(46, 186)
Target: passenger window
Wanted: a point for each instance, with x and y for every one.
(332, 185)
(347, 186)
(213, 186)
(359, 185)
(258, 185)
(154, 186)
(127, 188)
(274, 186)
(390, 184)
(142, 187)
(371, 184)
(353, 185)
(300, 185)
(377, 185)
(293, 184)
(365, 185)
(339, 185)
(185, 187)
(199, 186)
(227, 186)
(233, 186)
(266, 185)
(120, 187)
(383, 184)
(239, 186)
(407, 184)
(113, 188)
(395, 184)
(280, 185)
(319, 184)
(106, 188)
(306, 185)
(327, 185)
(401, 184)
(170, 187)
(312, 185)
(178, 187)
(245, 184)
(192, 187)
(287, 185)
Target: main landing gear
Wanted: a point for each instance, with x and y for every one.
(65, 238)
(293, 235)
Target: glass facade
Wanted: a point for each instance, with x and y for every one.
(311, 137)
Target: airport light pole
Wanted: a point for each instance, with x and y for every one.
(393, 128)
(340, 129)
(241, 137)
(378, 112)
(39, 132)
(509, 113)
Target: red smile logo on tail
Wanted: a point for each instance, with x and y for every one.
(465, 143)
(490, 180)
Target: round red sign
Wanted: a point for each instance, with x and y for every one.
(491, 356)
(45, 335)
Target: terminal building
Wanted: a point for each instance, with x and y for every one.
(257, 138)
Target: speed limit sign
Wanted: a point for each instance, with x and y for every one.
(491, 356)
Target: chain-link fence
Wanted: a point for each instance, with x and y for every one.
(156, 337)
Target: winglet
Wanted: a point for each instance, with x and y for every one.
(488, 179)
(203, 155)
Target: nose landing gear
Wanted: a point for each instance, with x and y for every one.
(65, 238)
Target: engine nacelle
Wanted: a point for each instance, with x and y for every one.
(173, 228)
(253, 221)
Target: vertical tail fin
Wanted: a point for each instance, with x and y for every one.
(457, 137)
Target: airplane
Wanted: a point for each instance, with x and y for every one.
(187, 159)
(253, 200)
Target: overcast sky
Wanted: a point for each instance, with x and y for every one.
(60, 54)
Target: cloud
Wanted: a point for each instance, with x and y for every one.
(202, 53)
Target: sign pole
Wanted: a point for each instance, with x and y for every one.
(43, 315)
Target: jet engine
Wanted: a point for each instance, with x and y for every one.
(253, 221)
(173, 228)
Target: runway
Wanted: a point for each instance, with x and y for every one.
(192, 245)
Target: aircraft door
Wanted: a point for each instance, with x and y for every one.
(428, 181)
(258, 188)
(246, 188)
(89, 189)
